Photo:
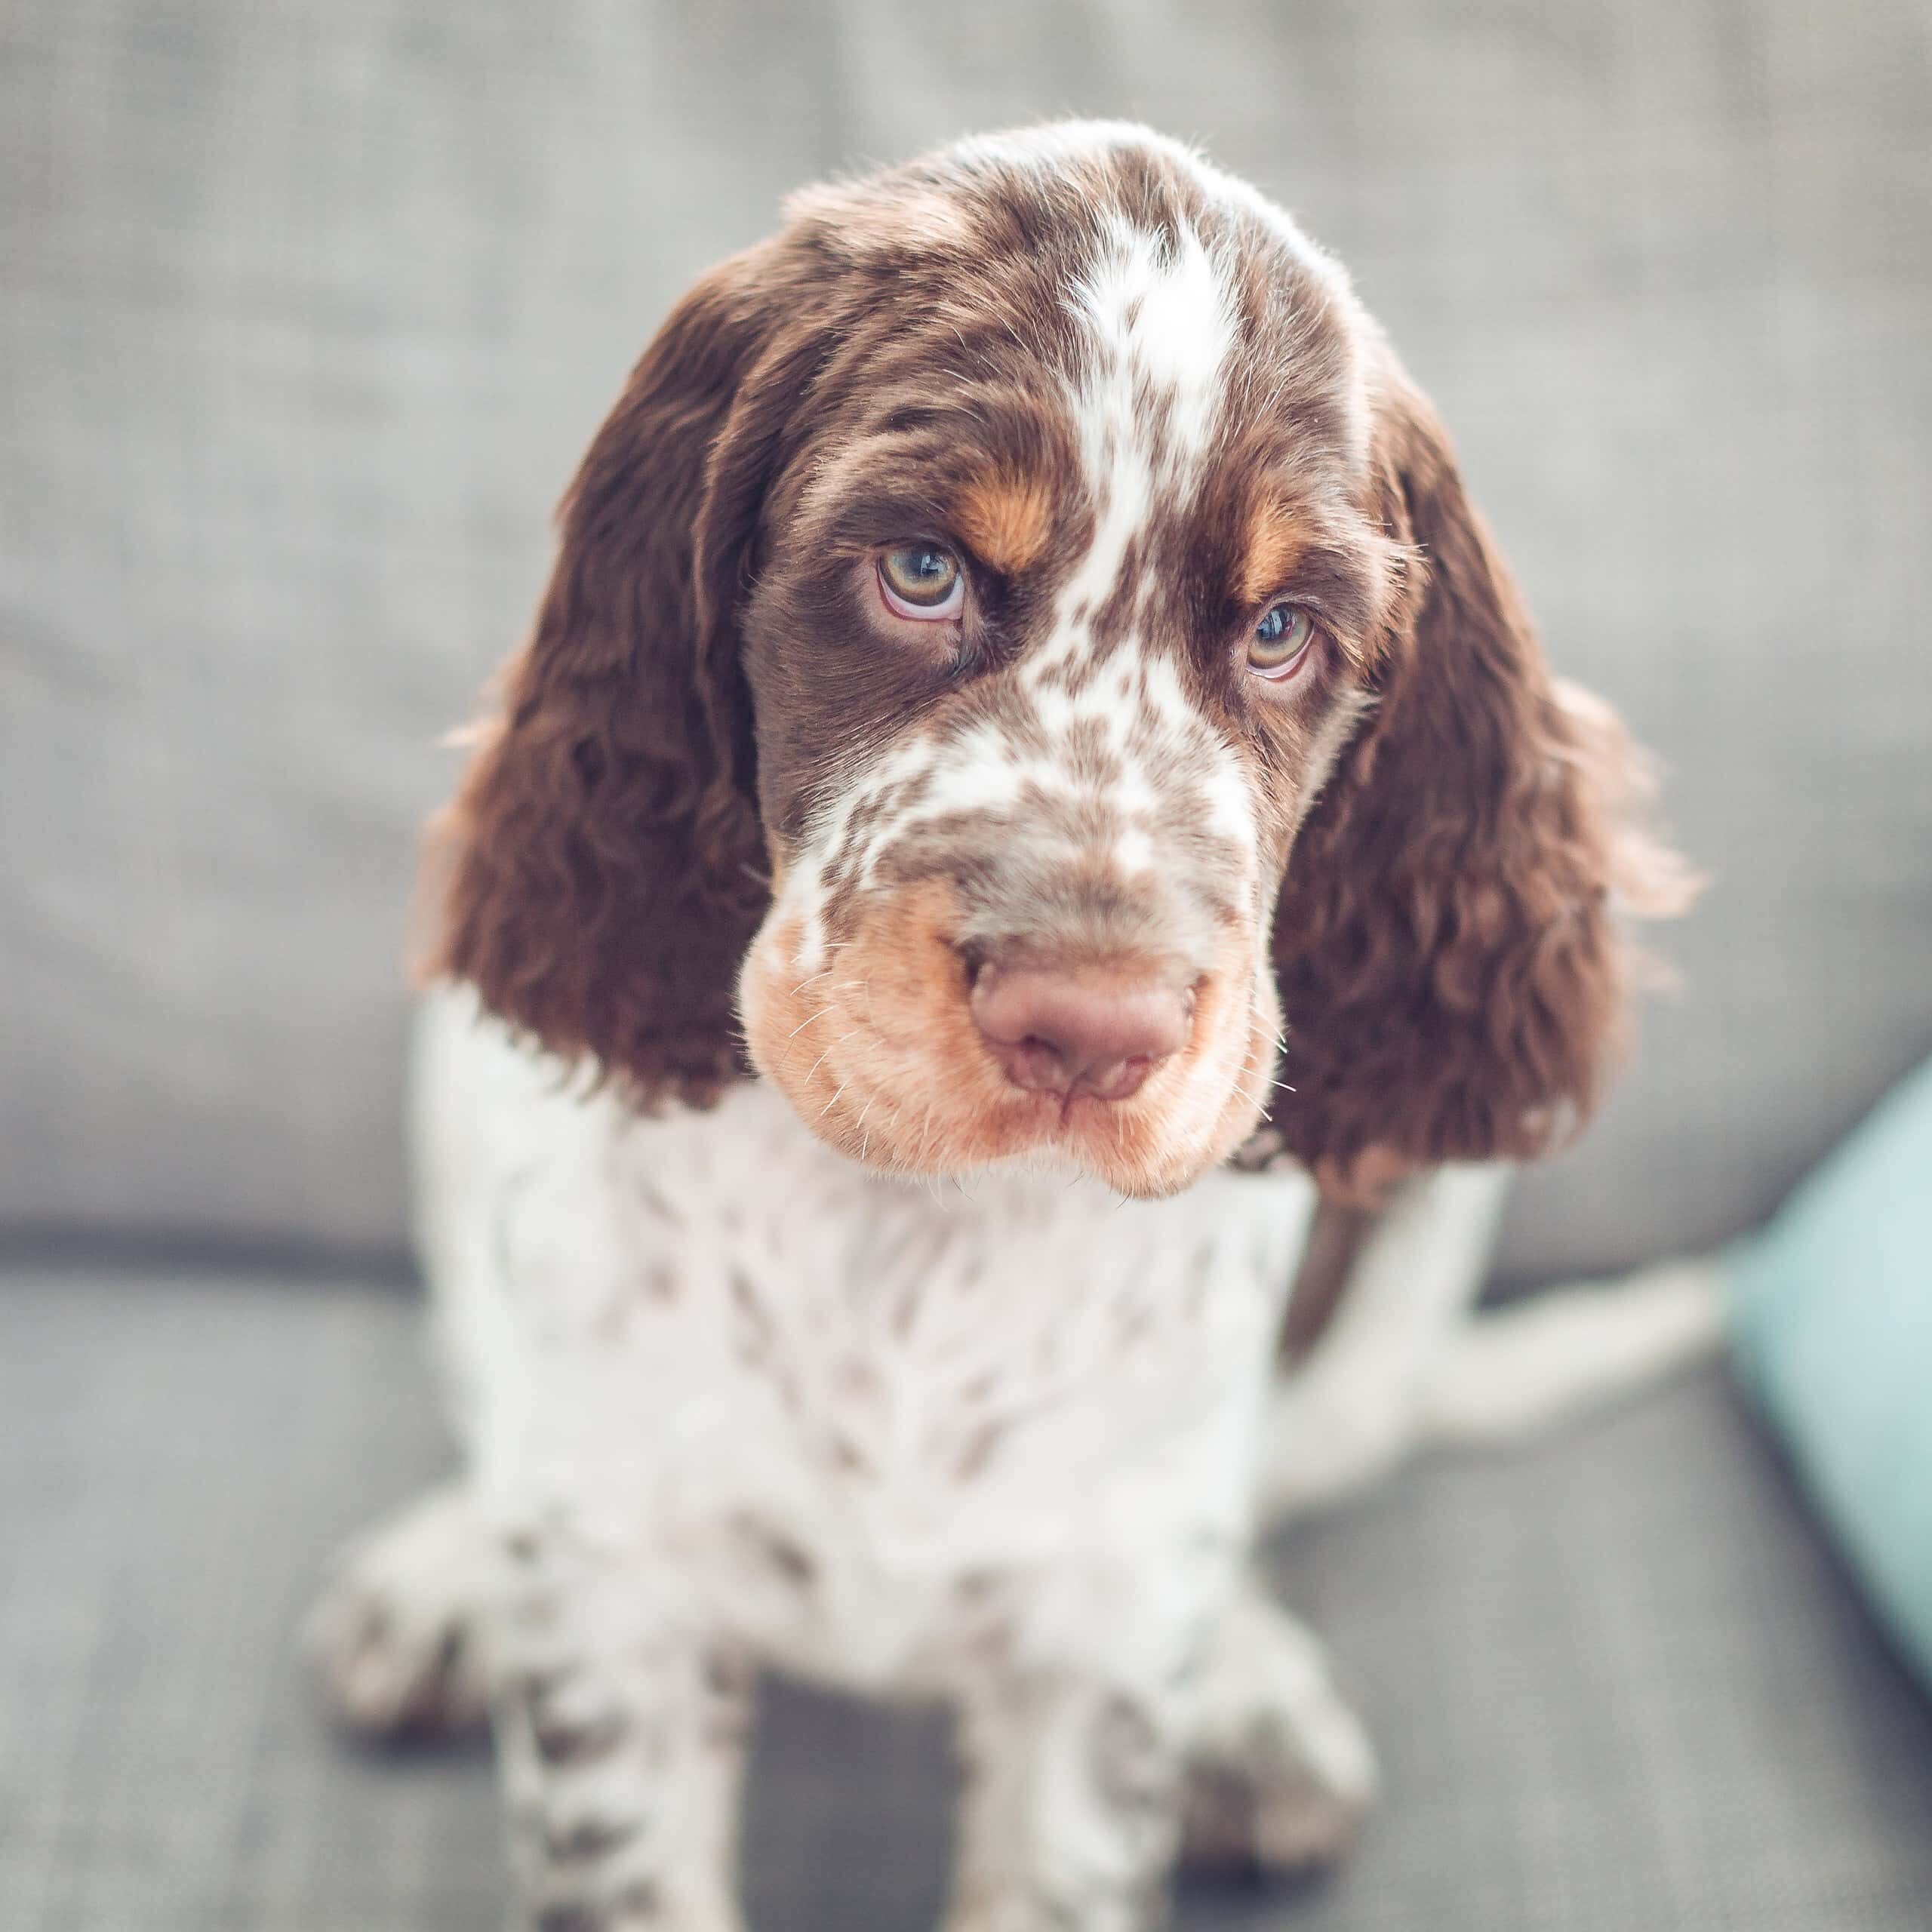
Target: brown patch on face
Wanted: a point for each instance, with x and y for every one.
(1006, 518)
(877, 1052)
(1275, 547)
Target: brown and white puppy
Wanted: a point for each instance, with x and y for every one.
(1019, 653)
(1194, 581)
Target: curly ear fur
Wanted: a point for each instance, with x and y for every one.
(603, 868)
(1453, 970)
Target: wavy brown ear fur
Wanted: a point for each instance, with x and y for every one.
(602, 868)
(1449, 943)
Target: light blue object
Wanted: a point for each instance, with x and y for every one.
(1833, 1325)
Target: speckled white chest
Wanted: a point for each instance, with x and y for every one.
(840, 1415)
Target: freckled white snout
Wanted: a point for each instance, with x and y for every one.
(1056, 1031)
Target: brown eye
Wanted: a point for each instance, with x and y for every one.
(922, 580)
(1281, 641)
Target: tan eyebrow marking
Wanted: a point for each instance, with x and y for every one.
(1006, 517)
(1275, 546)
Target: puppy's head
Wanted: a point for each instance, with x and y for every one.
(1019, 640)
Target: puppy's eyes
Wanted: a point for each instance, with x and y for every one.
(1280, 644)
(922, 581)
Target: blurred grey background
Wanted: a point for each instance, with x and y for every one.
(306, 311)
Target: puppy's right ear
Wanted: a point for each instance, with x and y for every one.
(1452, 940)
(602, 869)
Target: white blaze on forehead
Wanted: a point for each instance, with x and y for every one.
(1158, 329)
(1161, 317)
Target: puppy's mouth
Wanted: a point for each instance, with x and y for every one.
(914, 1054)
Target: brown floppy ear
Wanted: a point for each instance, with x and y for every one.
(601, 869)
(1449, 943)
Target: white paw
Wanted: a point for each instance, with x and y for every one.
(1281, 1770)
(396, 1638)
(1266, 1806)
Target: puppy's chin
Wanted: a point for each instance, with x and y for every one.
(901, 1135)
(913, 1092)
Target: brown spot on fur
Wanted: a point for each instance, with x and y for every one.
(855, 1380)
(588, 1840)
(561, 1741)
(727, 1674)
(978, 1451)
(639, 1900)
(571, 1918)
(1133, 1772)
(1006, 518)
(751, 1331)
(795, 1565)
(1275, 546)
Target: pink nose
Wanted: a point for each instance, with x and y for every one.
(1059, 1033)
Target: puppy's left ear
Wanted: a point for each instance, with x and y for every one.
(1450, 941)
